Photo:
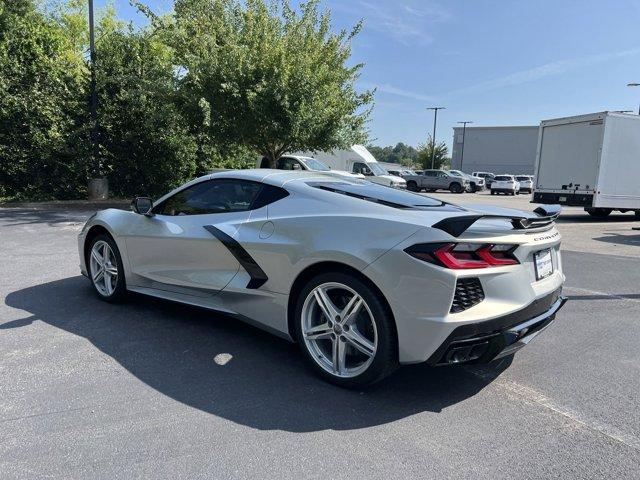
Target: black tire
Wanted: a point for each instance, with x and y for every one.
(412, 186)
(120, 290)
(637, 214)
(599, 212)
(385, 360)
(455, 187)
(493, 192)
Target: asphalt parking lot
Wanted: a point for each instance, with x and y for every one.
(156, 390)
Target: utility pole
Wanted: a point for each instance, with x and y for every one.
(98, 187)
(634, 85)
(94, 94)
(464, 128)
(433, 139)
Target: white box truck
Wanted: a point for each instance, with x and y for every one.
(591, 161)
(358, 159)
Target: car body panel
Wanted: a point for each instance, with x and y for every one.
(177, 258)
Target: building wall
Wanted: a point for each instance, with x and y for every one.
(496, 149)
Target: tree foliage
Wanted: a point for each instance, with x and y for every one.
(426, 152)
(402, 154)
(43, 141)
(210, 85)
(275, 79)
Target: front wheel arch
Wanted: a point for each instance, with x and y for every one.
(325, 267)
(93, 232)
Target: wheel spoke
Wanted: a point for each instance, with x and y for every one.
(106, 253)
(339, 356)
(357, 340)
(318, 332)
(111, 270)
(324, 302)
(97, 257)
(108, 285)
(350, 312)
(98, 275)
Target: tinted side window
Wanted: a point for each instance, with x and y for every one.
(287, 163)
(213, 196)
(359, 167)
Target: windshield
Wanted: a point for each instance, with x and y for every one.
(314, 164)
(504, 178)
(457, 173)
(377, 169)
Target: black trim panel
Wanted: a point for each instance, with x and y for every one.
(571, 199)
(258, 277)
(494, 328)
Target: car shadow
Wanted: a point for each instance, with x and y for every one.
(224, 367)
(566, 217)
(615, 238)
(31, 216)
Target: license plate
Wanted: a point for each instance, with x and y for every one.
(544, 265)
(562, 199)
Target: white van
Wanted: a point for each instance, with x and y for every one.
(301, 162)
(359, 160)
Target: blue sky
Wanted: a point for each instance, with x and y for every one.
(492, 62)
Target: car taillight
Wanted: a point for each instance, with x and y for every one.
(460, 256)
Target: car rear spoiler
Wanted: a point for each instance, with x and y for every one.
(456, 226)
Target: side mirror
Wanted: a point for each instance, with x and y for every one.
(366, 171)
(142, 205)
(296, 167)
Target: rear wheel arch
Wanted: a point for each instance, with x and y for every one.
(330, 267)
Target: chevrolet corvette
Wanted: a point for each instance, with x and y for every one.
(362, 276)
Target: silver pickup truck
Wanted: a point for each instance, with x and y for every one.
(432, 180)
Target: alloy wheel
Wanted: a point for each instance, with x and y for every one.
(339, 330)
(103, 268)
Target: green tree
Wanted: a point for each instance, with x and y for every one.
(43, 141)
(145, 142)
(274, 79)
(426, 152)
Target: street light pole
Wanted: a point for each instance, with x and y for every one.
(464, 128)
(634, 85)
(433, 139)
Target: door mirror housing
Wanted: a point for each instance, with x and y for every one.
(366, 171)
(142, 205)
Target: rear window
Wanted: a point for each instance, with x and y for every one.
(503, 178)
(373, 192)
(523, 179)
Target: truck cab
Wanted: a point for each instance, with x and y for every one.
(358, 160)
(300, 162)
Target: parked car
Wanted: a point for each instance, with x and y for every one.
(526, 183)
(476, 184)
(300, 162)
(505, 184)
(432, 180)
(488, 177)
(362, 276)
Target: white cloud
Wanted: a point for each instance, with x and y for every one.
(393, 90)
(408, 23)
(546, 70)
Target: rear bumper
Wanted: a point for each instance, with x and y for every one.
(483, 342)
(568, 198)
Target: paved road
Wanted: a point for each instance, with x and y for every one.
(151, 389)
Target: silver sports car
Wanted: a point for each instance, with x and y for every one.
(362, 276)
